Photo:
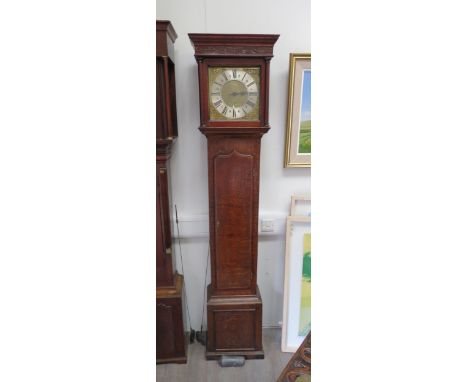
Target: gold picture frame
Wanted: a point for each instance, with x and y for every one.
(298, 125)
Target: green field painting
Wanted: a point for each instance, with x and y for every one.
(304, 137)
(303, 146)
(304, 316)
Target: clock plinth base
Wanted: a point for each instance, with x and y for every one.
(234, 326)
(171, 340)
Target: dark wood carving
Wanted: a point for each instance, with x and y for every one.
(171, 342)
(299, 365)
(234, 303)
(239, 45)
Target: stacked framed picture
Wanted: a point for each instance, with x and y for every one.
(297, 275)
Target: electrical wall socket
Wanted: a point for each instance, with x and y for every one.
(267, 225)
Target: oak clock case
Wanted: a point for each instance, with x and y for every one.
(171, 342)
(233, 72)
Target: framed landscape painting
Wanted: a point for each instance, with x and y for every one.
(298, 138)
(297, 283)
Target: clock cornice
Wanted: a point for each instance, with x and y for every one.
(228, 45)
(166, 26)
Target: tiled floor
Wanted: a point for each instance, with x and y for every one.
(198, 369)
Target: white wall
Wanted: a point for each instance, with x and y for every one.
(290, 19)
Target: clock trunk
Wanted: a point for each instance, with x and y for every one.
(233, 176)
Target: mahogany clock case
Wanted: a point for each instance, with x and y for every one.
(171, 341)
(166, 134)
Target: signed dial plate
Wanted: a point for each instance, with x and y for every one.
(234, 93)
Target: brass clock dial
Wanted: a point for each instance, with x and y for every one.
(234, 93)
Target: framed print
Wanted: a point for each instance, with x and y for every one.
(298, 126)
(297, 283)
(300, 205)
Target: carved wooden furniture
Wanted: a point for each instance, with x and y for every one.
(171, 342)
(233, 73)
(298, 368)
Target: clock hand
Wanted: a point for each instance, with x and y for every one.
(237, 93)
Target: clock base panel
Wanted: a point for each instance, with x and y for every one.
(171, 339)
(234, 326)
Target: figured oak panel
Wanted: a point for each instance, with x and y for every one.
(233, 180)
(234, 329)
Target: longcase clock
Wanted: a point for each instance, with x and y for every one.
(233, 73)
(171, 343)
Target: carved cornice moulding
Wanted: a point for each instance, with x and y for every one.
(251, 45)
